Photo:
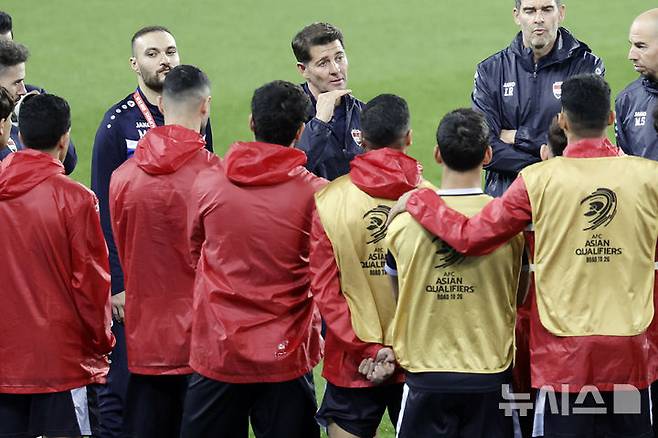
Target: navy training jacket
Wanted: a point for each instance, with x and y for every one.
(330, 147)
(514, 93)
(634, 123)
(116, 139)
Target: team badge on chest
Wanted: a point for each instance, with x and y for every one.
(356, 135)
(557, 90)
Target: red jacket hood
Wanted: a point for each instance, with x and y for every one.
(164, 149)
(262, 164)
(22, 171)
(385, 173)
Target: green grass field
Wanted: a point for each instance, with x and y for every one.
(425, 51)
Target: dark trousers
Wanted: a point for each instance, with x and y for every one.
(112, 396)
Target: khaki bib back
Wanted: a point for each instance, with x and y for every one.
(355, 224)
(455, 313)
(596, 225)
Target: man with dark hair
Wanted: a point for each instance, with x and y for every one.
(557, 141)
(149, 197)
(6, 27)
(332, 137)
(256, 332)
(634, 105)
(56, 320)
(13, 57)
(348, 281)
(471, 302)
(596, 235)
(518, 89)
(154, 54)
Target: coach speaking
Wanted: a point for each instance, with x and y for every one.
(518, 89)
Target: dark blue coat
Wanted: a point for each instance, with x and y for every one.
(634, 125)
(116, 139)
(331, 146)
(514, 93)
(71, 158)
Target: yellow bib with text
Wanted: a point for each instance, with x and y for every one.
(454, 313)
(596, 225)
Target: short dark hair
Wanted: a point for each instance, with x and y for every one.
(6, 103)
(145, 30)
(42, 120)
(6, 24)
(518, 3)
(557, 139)
(185, 81)
(278, 109)
(586, 101)
(385, 121)
(316, 34)
(463, 139)
(12, 53)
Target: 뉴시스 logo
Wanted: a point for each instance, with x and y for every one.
(601, 208)
(376, 223)
(447, 255)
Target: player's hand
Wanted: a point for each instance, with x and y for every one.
(508, 135)
(327, 102)
(118, 304)
(384, 366)
(399, 207)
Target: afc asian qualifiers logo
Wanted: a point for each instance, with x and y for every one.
(447, 254)
(601, 208)
(557, 90)
(376, 223)
(357, 137)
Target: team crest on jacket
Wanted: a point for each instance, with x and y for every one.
(557, 89)
(447, 255)
(601, 208)
(356, 135)
(375, 220)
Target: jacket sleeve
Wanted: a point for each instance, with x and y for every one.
(506, 157)
(316, 143)
(325, 287)
(90, 284)
(108, 154)
(71, 159)
(620, 133)
(499, 221)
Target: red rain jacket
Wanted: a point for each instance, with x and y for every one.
(601, 361)
(55, 294)
(383, 173)
(149, 201)
(254, 317)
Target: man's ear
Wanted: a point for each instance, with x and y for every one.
(252, 127)
(562, 121)
(298, 135)
(63, 145)
(562, 9)
(301, 68)
(488, 154)
(611, 118)
(133, 64)
(545, 152)
(3, 122)
(409, 138)
(205, 106)
(437, 154)
(161, 105)
(515, 16)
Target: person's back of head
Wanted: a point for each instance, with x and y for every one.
(557, 141)
(6, 109)
(6, 26)
(45, 121)
(463, 140)
(585, 107)
(385, 122)
(315, 34)
(186, 95)
(278, 112)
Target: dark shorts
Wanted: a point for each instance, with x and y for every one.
(154, 406)
(571, 419)
(58, 414)
(448, 415)
(360, 410)
(283, 409)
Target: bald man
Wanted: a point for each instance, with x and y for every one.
(634, 106)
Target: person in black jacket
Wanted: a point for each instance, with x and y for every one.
(518, 89)
(634, 105)
(332, 137)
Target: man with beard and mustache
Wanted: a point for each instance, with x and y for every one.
(518, 89)
(634, 105)
(154, 54)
